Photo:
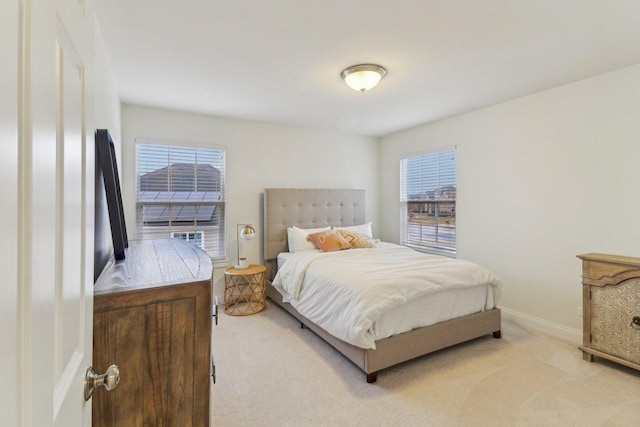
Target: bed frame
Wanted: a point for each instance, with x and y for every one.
(313, 208)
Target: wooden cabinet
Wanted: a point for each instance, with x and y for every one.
(611, 308)
(152, 318)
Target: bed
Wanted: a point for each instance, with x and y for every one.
(318, 208)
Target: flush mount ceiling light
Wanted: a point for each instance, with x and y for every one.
(363, 77)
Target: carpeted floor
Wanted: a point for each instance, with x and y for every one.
(272, 373)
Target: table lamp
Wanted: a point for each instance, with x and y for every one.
(245, 232)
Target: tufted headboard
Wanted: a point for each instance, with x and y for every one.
(307, 208)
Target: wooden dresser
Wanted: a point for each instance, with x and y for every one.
(611, 308)
(152, 318)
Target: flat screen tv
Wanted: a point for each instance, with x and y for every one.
(106, 153)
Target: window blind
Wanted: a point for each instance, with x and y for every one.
(181, 194)
(428, 201)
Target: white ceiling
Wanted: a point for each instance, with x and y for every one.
(279, 61)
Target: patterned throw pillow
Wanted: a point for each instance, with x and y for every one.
(361, 229)
(329, 241)
(357, 240)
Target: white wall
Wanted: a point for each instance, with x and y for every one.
(106, 116)
(540, 179)
(259, 156)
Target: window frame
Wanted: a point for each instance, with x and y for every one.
(213, 236)
(437, 188)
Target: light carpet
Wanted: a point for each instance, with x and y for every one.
(270, 372)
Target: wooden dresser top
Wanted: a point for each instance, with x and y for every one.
(151, 263)
(604, 269)
(617, 259)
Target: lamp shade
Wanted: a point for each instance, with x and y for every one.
(363, 77)
(247, 232)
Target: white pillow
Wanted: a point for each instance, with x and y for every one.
(362, 229)
(297, 238)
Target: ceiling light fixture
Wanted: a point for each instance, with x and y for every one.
(363, 77)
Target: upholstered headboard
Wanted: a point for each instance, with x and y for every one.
(307, 208)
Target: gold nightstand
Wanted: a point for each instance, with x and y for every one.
(245, 290)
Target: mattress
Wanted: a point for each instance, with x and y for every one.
(428, 309)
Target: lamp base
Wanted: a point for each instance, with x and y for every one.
(240, 267)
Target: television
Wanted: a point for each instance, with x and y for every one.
(106, 153)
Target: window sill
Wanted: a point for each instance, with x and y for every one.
(220, 263)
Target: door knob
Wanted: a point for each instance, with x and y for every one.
(109, 380)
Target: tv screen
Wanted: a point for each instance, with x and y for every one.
(106, 153)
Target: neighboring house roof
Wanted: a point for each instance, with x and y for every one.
(443, 193)
(163, 213)
(170, 189)
(446, 193)
(179, 196)
(182, 177)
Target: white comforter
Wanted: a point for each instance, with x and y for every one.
(345, 292)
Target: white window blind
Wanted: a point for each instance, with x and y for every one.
(181, 194)
(428, 202)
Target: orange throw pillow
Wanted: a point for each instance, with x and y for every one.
(329, 241)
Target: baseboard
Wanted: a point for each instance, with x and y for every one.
(573, 336)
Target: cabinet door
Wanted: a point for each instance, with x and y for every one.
(163, 351)
(119, 337)
(612, 328)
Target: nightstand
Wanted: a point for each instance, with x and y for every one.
(245, 290)
(611, 308)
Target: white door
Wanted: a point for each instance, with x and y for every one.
(49, 163)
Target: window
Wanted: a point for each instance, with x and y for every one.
(195, 237)
(428, 202)
(181, 194)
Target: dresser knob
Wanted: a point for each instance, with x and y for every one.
(635, 322)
